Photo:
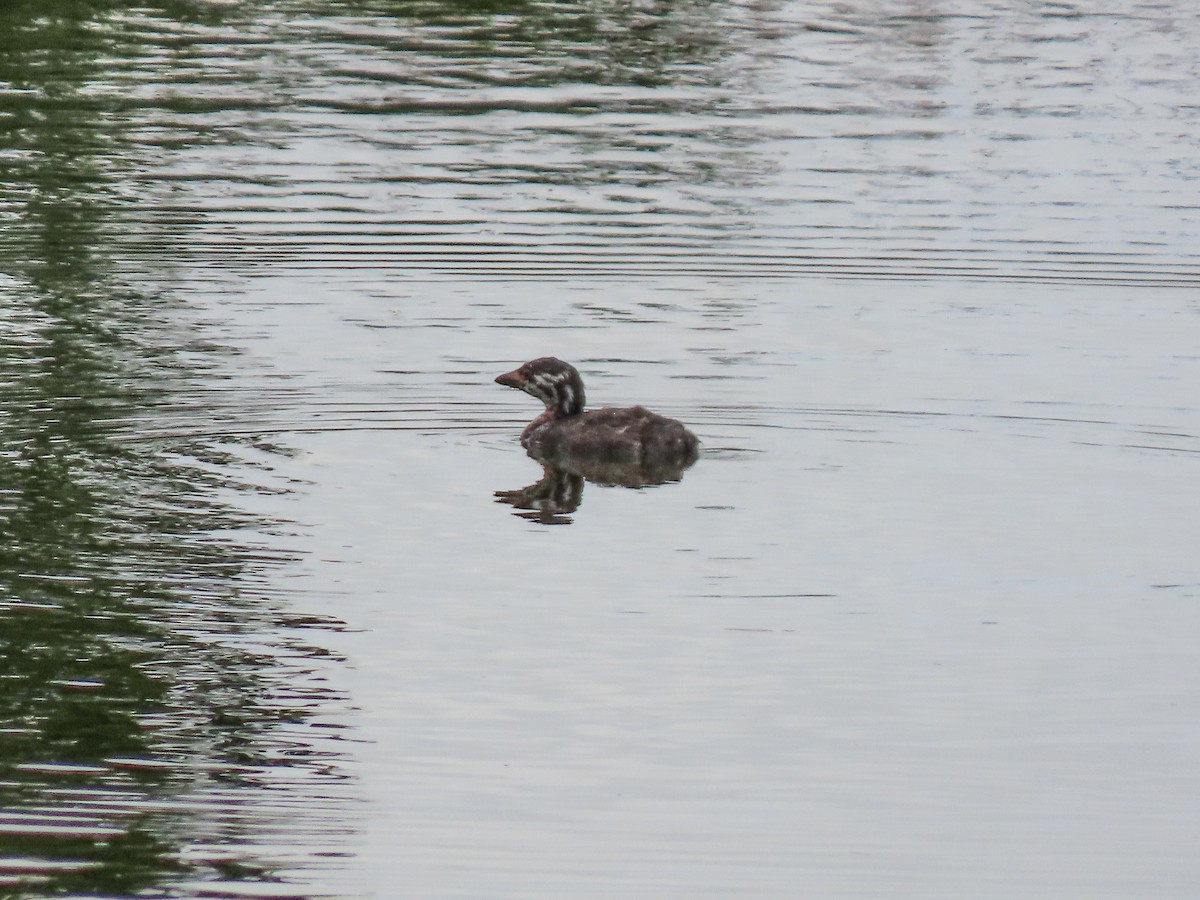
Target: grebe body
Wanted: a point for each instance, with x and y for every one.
(565, 430)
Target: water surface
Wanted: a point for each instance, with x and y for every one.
(918, 623)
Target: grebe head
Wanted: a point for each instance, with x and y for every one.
(554, 382)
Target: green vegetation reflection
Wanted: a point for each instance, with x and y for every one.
(124, 691)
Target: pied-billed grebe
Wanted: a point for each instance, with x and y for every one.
(565, 430)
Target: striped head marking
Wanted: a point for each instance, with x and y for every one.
(556, 383)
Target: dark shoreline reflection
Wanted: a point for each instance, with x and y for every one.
(559, 492)
(163, 714)
(157, 716)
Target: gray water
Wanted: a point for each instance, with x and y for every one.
(920, 621)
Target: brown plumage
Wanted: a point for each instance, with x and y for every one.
(566, 431)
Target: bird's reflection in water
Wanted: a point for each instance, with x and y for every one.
(549, 500)
(559, 492)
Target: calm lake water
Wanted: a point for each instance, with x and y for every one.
(920, 623)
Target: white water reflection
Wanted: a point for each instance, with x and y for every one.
(924, 594)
